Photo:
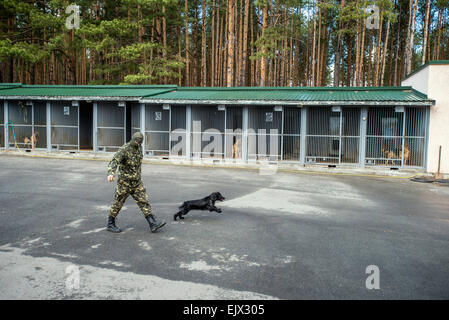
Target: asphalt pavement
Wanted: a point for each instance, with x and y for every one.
(280, 236)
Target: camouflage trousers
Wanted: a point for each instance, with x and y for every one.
(136, 190)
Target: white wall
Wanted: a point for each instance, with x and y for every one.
(433, 80)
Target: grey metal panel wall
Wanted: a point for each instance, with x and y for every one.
(2, 126)
(291, 137)
(135, 117)
(350, 135)
(264, 133)
(233, 135)
(208, 123)
(178, 135)
(157, 125)
(110, 114)
(40, 124)
(58, 118)
(21, 127)
(20, 113)
(110, 125)
(64, 131)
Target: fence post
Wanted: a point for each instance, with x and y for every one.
(6, 116)
(363, 129)
(302, 148)
(95, 126)
(188, 132)
(245, 113)
(48, 124)
(142, 126)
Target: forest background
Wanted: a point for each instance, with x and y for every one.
(220, 42)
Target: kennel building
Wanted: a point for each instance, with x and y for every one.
(369, 126)
(332, 126)
(69, 118)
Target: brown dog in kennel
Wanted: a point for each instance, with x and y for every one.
(32, 141)
(391, 156)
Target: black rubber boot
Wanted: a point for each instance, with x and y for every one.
(154, 224)
(111, 225)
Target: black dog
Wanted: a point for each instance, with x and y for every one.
(207, 203)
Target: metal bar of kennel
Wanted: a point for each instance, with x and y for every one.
(188, 151)
(340, 133)
(426, 137)
(95, 126)
(403, 138)
(282, 134)
(32, 125)
(48, 124)
(245, 113)
(169, 131)
(303, 133)
(78, 126)
(6, 120)
(224, 133)
(124, 123)
(142, 125)
(362, 142)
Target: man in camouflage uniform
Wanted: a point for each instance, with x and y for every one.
(129, 160)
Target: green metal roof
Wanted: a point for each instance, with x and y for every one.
(219, 95)
(304, 95)
(9, 85)
(100, 91)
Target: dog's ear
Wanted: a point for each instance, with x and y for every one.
(213, 196)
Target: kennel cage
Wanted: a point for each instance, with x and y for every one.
(111, 125)
(291, 134)
(165, 129)
(208, 131)
(333, 135)
(396, 136)
(216, 132)
(27, 124)
(264, 133)
(65, 126)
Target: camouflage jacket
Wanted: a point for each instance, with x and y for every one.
(128, 159)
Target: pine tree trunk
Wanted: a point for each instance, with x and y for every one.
(213, 46)
(315, 11)
(243, 70)
(230, 58)
(426, 31)
(187, 58)
(384, 54)
(203, 46)
(263, 62)
(164, 40)
(411, 33)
